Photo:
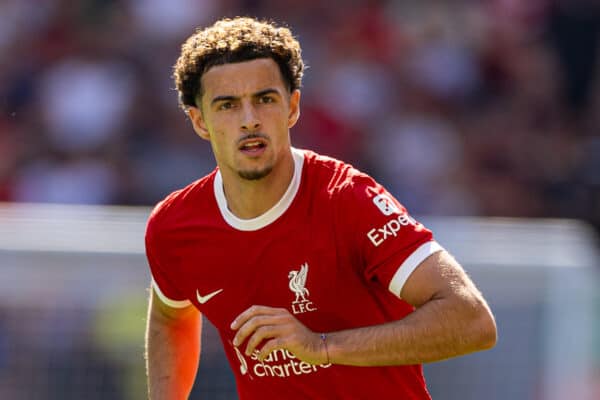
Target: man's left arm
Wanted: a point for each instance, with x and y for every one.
(451, 318)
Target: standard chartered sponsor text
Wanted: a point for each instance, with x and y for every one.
(281, 363)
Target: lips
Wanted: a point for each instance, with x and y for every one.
(253, 145)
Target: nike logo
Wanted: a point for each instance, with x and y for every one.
(204, 299)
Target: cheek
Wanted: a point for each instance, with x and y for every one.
(221, 126)
(276, 118)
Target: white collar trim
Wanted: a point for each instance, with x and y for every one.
(269, 216)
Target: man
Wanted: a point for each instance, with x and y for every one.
(319, 282)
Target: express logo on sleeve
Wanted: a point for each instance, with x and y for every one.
(391, 228)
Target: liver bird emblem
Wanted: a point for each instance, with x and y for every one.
(297, 283)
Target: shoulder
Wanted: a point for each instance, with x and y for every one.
(351, 190)
(335, 175)
(180, 203)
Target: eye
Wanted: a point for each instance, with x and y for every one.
(266, 99)
(226, 105)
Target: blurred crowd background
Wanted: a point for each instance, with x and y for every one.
(470, 107)
(460, 108)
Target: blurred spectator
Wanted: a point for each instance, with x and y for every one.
(84, 102)
(76, 180)
(575, 33)
(159, 20)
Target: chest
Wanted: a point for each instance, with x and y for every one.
(297, 266)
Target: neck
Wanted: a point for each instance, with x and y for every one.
(248, 199)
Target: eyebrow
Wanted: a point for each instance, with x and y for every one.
(222, 98)
(266, 91)
(257, 94)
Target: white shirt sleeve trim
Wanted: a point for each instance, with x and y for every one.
(410, 264)
(168, 301)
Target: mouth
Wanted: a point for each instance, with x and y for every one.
(252, 146)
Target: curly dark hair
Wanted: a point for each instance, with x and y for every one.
(235, 40)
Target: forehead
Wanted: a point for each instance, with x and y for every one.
(243, 78)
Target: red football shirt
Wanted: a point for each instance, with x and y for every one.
(335, 251)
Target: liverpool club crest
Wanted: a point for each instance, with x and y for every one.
(301, 303)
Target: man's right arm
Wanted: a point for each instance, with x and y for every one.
(172, 349)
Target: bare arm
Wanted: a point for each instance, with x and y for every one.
(451, 319)
(172, 349)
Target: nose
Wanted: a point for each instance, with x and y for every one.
(250, 120)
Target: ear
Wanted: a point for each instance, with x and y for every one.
(294, 108)
(198, 122)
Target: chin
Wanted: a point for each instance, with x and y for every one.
(254, 175)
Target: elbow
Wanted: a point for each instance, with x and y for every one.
(479, 331)
(487, 333)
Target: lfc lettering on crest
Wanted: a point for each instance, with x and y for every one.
(299, 308)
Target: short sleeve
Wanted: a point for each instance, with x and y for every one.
(162, 278)
(387, 242)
